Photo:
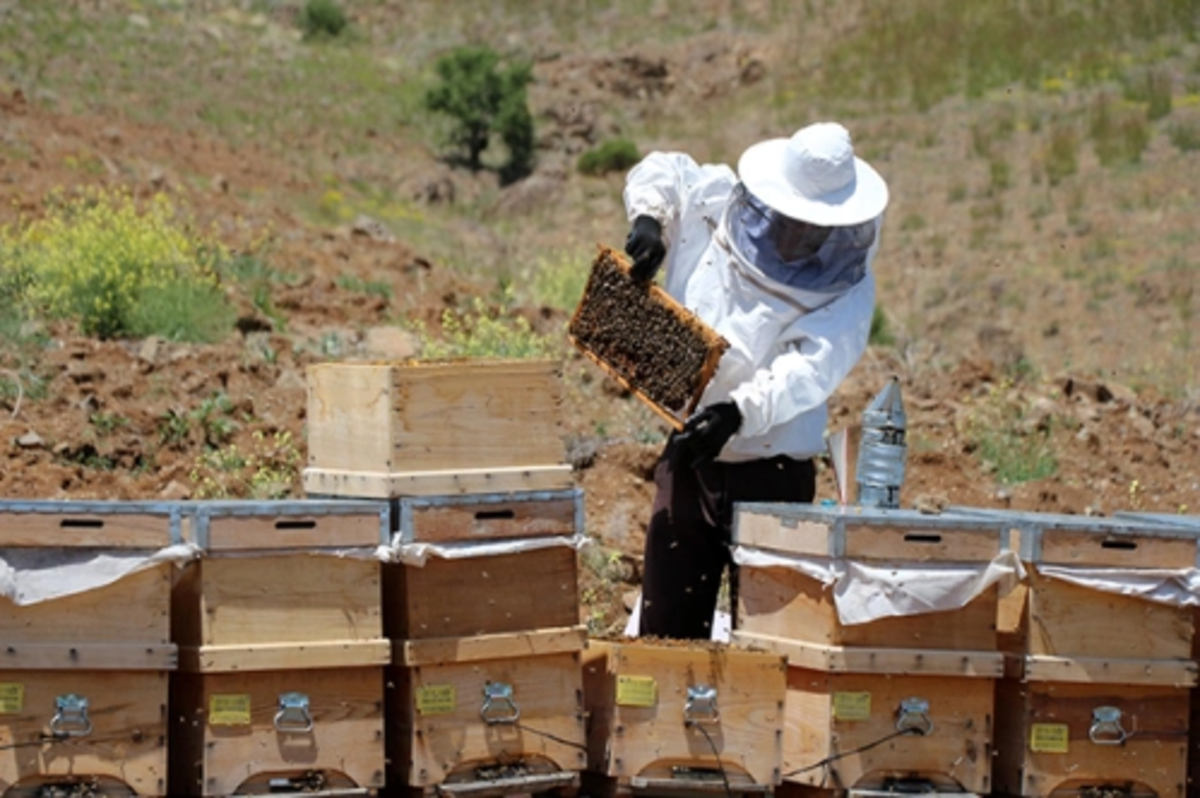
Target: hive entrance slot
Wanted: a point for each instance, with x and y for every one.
(495, 515)
(915, 537)
(1121, 545)
(305, 524)
(81, 523)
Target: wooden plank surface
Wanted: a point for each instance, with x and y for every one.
(1067, 620)
(128, 738)
(388, 485)
(431, 742)
(87, 656)
(133, 610)
(784, 603)
(765, 530)
(1153, 756)
(349, 419)
(491, 520)
(1094, 549)
(266, 532)
(440, 650)
(647, 737)
(859, 659)
(215, 754)
(286, 656)
(293, 598)
(1169, 672)
(915, 544)
(90, 530)
(536, 589)
(847, 714)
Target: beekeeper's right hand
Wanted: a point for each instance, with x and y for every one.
(645, 245)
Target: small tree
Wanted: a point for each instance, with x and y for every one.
(484, 96)
(322, 19)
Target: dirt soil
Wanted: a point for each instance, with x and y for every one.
(1115, 449)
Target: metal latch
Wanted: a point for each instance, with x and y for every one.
(293, 715)
(1106, 726)
(914, 716)
(71, 717)
(505, 709)
(701, 706)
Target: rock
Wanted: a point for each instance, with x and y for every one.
(389, 343)
(290, 378)
(372, 228)
(174, 492)
(30, 440)
(148, 352)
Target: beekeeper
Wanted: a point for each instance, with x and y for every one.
(777, 259)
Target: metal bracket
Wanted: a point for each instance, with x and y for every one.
(293, 715)
(71, 717)
(701, 706)
(1106, 727)
(913, 715)
(505, 711)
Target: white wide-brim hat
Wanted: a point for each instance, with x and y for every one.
(815, 177)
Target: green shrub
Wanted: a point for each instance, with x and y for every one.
(1119, 135)
(1185, 136)
(484, 97)
(881, 334)
(1061, 158)
(998, 434)
(322, 18)
(117, 269)
(481, 332)
(615, 155)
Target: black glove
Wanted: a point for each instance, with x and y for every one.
(645, 245)
(707, 432)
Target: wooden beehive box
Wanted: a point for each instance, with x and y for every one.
(492, 715)
(843, 731)
(84, 677)
(794, 614)
(1063, 631)
(1098, 684)
(1190, 524)
(645, 340)
(852, 685)
(381, 430)
(282, 653)
(489, 517)
(683, 717)
(485, 687)
(1091, 738)
(501, 572)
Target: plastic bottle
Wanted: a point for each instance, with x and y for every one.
(882, 450)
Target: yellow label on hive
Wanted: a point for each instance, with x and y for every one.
(852, 706)
(1049, 738)
(232, 709)
(637, 691)
(12, 698)
(436, 699)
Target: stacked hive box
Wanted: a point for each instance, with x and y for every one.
(84, 673)
(683, 719)
(282, 654)
(481, 605)
(899, 703)
(1190, 524)
(1097, 696)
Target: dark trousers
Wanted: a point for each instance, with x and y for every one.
(688, 541)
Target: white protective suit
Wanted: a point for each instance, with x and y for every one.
(789, 347)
